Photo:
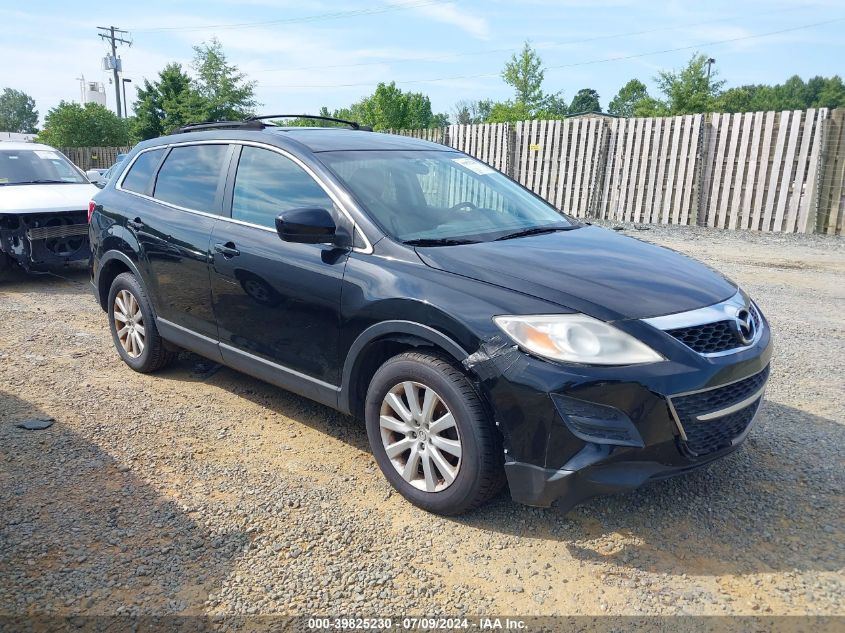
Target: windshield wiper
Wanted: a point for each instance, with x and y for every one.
(42, 181)
(441, 241)
(537, 230)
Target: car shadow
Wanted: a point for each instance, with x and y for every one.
(70, 279)
(770, 506)
(747, 513)
(81, 534)
(190, 367)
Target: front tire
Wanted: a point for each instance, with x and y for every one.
(133, 326)
(431, 435)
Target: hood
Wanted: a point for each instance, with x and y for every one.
(591, 270)
(46, 198)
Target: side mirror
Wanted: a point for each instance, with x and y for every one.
(95, 178)
(307, 225)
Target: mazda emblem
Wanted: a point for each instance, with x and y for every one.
(745, 328)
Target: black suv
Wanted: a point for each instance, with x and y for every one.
(482, 335)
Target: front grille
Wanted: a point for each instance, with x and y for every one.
(712, 338)
(713, 435)
(707, 436)
(57, 232)
(708, 338)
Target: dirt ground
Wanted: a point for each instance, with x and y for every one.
(199, 490)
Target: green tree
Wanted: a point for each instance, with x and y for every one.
(627, 98)
(793, 94)
(832, 94)
(585, 100)
(524, 72)
(689, 90)
(390, 107)
(466, 112)
(509, 112)
(226, 92)
(552, 107)
(17, 112)
(166, 104)
(91, 125)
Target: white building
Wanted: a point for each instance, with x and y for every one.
(92, 91)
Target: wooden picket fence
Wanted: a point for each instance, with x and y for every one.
(764, 171)
(93, 157)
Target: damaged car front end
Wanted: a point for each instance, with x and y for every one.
(44, 202)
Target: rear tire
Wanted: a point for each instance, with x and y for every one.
(133, 326)
(431, 436)
(7, 264)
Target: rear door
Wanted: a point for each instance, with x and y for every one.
(174, 231)
(277, 303)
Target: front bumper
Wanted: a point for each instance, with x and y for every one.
(554, 452)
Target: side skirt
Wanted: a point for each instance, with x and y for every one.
(278, 375)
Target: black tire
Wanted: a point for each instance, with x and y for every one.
(480, 474)
(7, 264)
(154, 355)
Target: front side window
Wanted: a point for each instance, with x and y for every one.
(190, 175)
(141, 172)
(268, 183)
(440, 195)
(36, 166)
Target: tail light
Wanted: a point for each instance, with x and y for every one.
(91, 206)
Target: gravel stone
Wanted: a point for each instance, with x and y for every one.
(202, 491)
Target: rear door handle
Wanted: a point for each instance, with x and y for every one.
(227, 250)
(136, 224)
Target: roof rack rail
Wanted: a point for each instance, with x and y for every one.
(353, 124)
(249, 124)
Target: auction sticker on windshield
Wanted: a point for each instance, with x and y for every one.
(475, 166)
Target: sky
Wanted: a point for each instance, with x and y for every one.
(305, 55)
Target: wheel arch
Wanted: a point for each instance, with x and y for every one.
(112, 264)
(377, 344)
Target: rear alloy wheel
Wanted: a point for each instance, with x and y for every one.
(133, 327)
(431, 436)
(129, 323)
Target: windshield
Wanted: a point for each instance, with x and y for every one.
(35, 166)
(440, 197)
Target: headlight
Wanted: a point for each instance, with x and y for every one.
(576, 338)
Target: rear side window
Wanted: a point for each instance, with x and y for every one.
(269, 183)
(141, 172)
(190, 175)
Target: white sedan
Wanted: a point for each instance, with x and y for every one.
(43, 208)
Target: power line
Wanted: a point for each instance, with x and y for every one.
(512, 49)
(335, 15)
(586, 63)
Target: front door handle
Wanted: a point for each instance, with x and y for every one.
(136, 224)
(227, 250)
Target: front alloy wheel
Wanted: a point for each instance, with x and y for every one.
(431, 435)
(420, 436)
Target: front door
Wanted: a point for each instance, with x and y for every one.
(277, 303)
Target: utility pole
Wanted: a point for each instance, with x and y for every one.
(112, 34)
(710, 61)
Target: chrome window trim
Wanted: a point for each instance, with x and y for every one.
(366, 249)
(722, 311)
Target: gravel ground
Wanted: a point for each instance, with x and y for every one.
(202, 491)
